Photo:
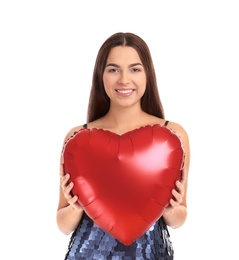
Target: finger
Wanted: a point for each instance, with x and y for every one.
(173, 203)
(180, 187)
(75, 203)
(67, 190)
(64, 180)
(178, 197)
(73, 200)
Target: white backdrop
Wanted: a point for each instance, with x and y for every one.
(47, 54)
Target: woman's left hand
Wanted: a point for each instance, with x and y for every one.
(178, 195)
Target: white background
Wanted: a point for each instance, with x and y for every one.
(47, 54)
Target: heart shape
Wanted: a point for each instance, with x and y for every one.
(124, 182)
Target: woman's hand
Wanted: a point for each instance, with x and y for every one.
(69, 211)
(178, 195)
(67, 188)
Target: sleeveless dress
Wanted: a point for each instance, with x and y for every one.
(90, 242)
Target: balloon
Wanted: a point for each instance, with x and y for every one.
(124, 182)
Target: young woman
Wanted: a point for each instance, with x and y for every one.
(124, 97)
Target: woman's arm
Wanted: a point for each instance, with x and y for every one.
(69, 211)
(176, 213)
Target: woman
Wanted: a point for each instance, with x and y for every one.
(124, 96)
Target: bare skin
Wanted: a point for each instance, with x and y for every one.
(125, 84)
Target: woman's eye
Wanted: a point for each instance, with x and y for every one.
(113, 70)
(135, 69)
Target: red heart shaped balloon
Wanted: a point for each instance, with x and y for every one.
(124, 182)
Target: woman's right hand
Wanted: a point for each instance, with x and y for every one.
(69, 211)
(67, 186)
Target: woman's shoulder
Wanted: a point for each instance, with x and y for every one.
(174, 126)
(72, 131)
(178, 129)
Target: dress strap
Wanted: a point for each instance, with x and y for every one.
(85, 125)
(166, 123)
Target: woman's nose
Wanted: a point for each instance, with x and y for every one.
(123, 79)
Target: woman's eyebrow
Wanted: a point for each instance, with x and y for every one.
(113, 65)
(135, 64)
(131, 65)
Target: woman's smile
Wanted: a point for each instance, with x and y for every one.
(125, 92)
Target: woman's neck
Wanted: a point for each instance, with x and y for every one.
(123, 119)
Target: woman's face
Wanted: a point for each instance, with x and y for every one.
(124, 77)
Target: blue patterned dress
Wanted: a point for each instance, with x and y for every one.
(89, 241)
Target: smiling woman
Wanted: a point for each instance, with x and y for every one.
(124, 100)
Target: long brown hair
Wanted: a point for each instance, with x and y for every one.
(99, 102)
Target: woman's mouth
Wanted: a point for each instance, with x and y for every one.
(125, 92)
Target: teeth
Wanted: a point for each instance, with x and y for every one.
(125, 91)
